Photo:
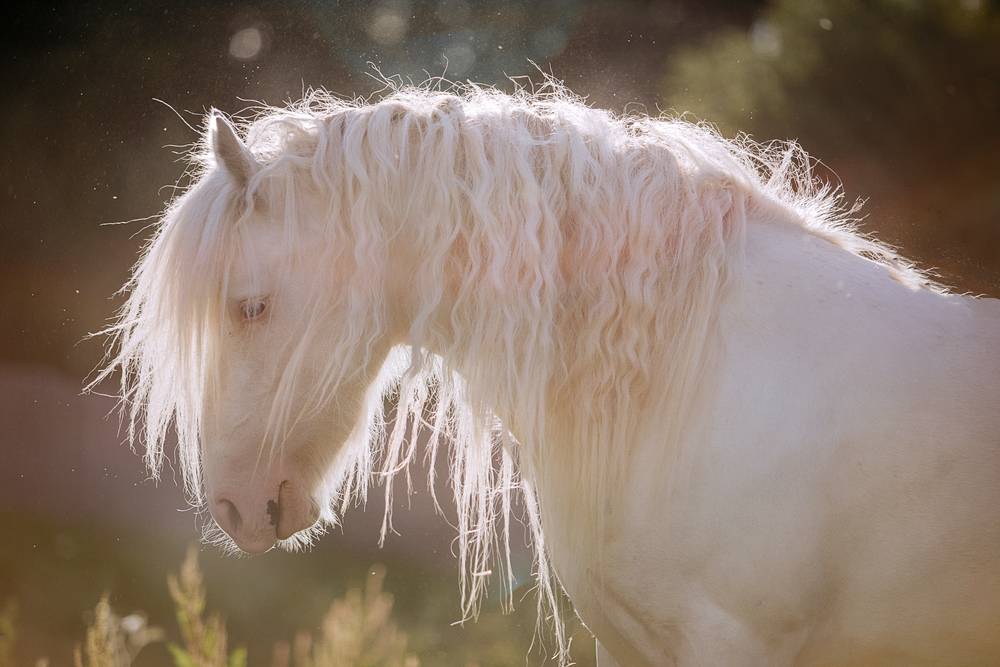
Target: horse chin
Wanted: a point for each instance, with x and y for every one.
(304, 539)
(213, 535)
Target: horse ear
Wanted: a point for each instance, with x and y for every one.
(229, 150)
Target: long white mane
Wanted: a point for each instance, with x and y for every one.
(582, 257)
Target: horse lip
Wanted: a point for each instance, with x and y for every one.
(254, 547)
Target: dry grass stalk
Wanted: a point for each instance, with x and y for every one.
(204, 639)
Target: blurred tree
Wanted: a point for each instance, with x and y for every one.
(851, 75)
(484, 40)
(901, 96)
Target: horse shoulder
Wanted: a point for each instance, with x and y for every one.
(847, 425)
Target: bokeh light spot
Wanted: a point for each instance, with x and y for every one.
(765, 39)
(388, 23)
(246, 44)
(460, 59)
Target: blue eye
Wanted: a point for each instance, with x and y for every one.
(251, 309)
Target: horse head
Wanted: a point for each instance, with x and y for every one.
(244, 333)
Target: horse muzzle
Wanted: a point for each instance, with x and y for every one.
(255, 520)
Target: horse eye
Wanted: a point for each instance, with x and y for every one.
(251, 309)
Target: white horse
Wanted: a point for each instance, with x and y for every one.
(744, 434)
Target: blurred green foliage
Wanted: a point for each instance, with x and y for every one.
(849, 75)
(899, 98)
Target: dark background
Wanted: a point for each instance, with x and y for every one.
(900, 99)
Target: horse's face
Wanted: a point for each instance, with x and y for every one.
(260, 486)
(269, 435)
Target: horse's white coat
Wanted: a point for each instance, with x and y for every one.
(841, 503)
(751, 436)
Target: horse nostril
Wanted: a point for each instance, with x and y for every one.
(294, 510)
(272, 512)
(227, 516)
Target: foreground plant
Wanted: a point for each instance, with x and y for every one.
(357, 631)
(8, 634)
(205, 641)
(113, 641)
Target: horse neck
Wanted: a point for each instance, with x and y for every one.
(469, 327)
(557, 383)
